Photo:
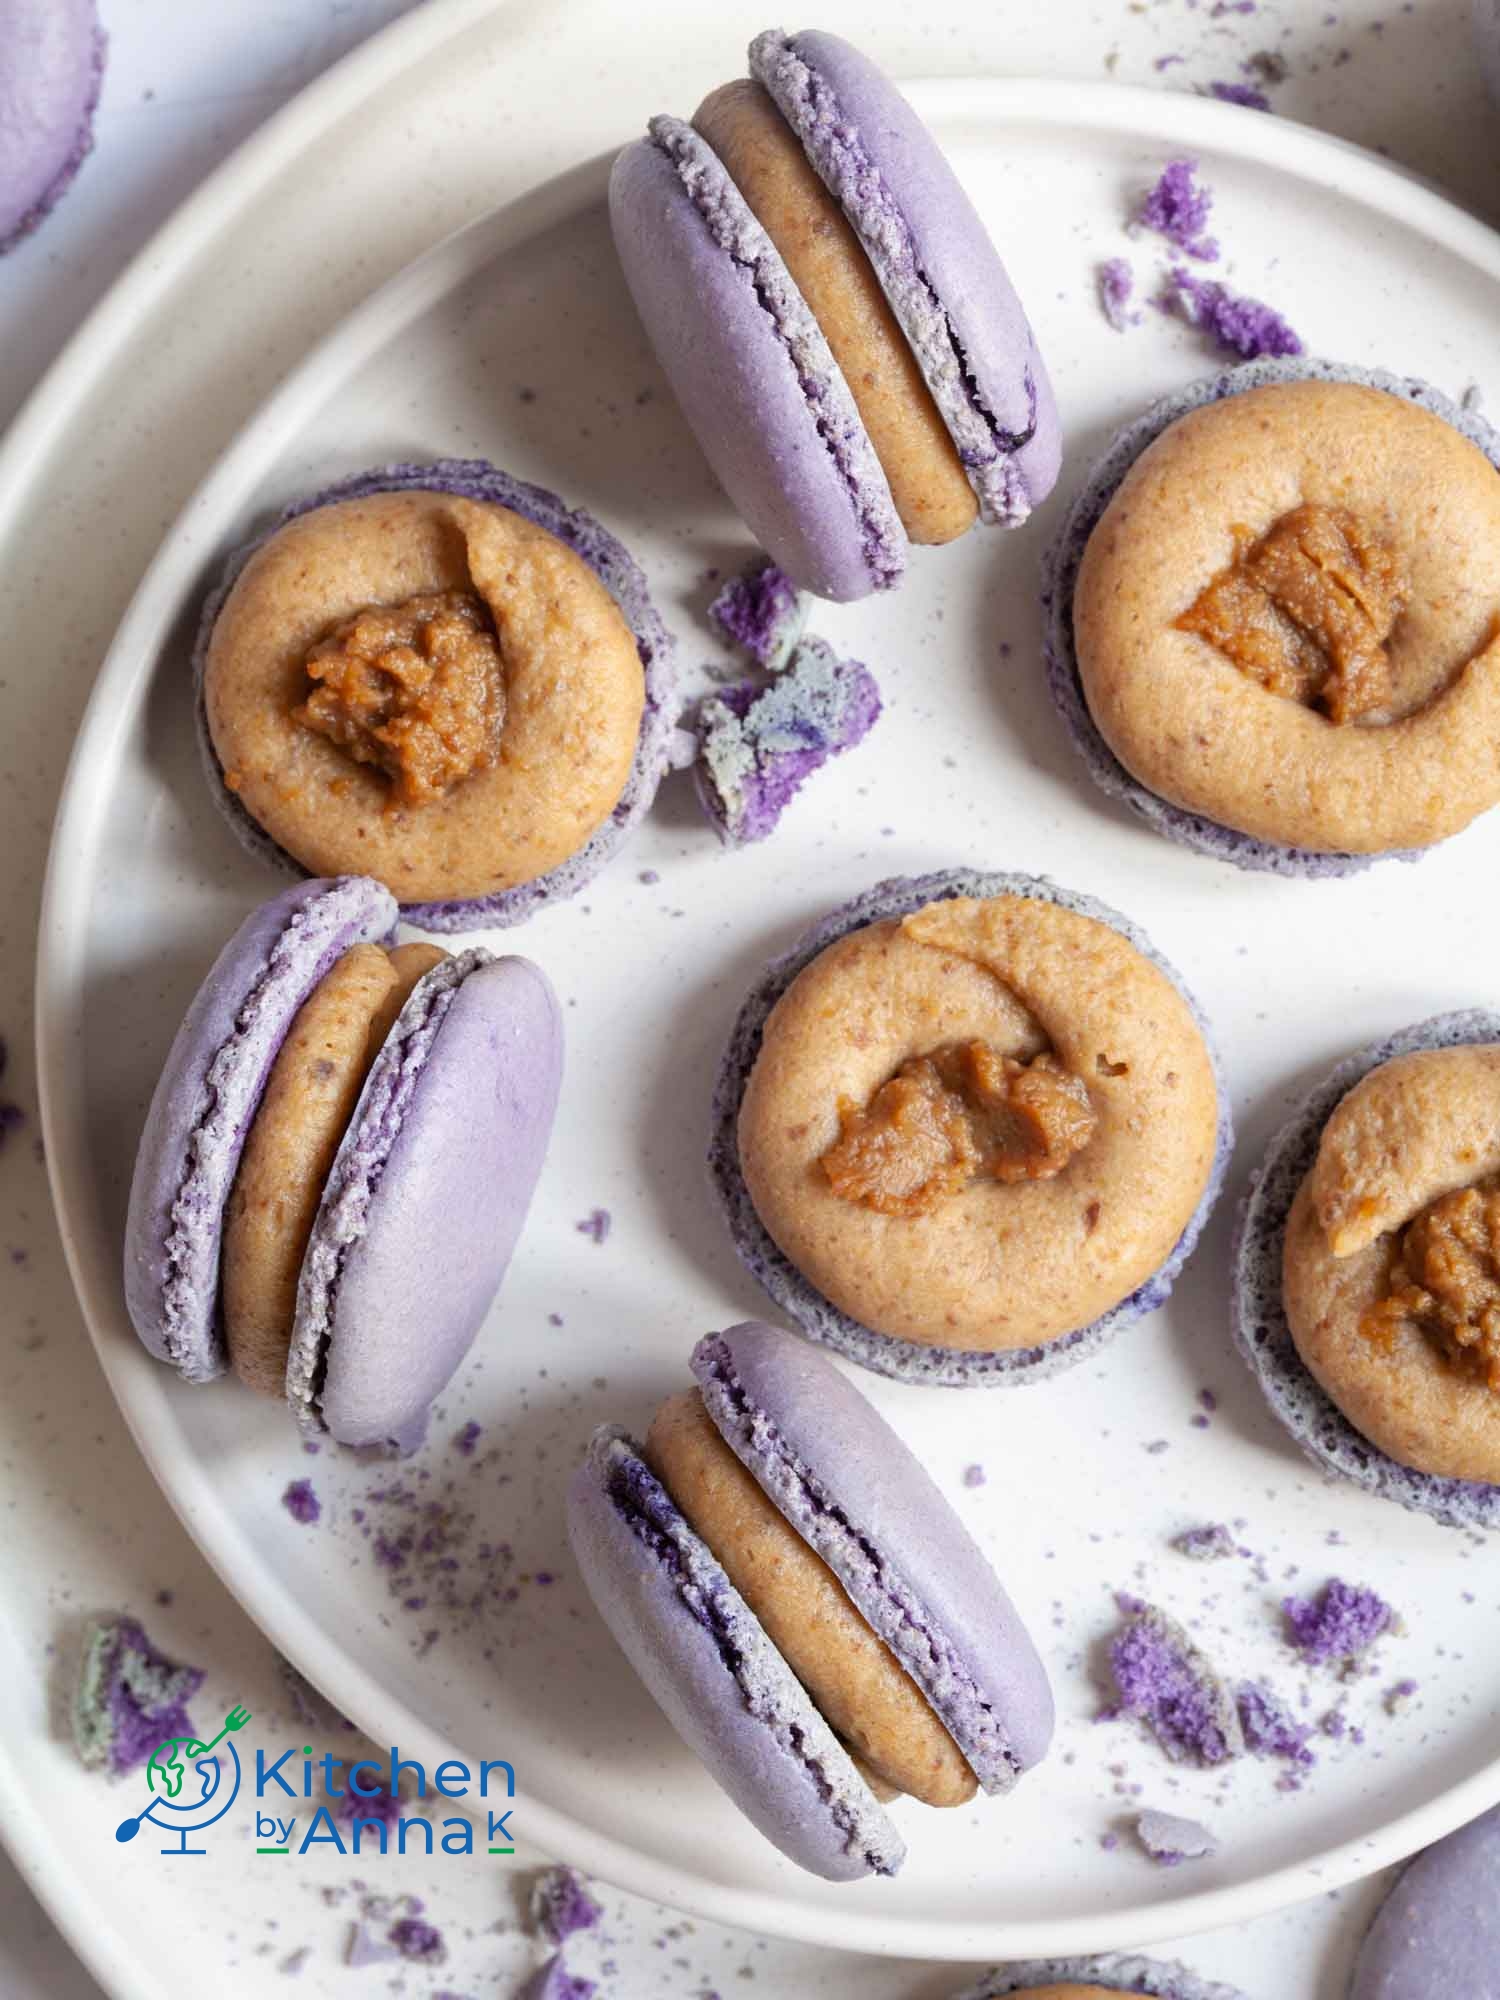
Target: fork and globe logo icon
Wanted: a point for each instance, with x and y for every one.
(192, 1785)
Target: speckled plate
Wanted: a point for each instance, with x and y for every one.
(515, 340)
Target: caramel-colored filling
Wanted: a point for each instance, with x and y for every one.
(963, 1113)
(1445, 1280)
(1307, 609)
(416, 689)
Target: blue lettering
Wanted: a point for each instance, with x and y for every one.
(365, 1791)
(330, 1833)
(400, 1764)
(403, 1824)
(500, 1826)
(496, 1764)
(451, 1788)
(463, 1835)
(264, 1773)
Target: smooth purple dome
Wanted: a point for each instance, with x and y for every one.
(1437, 1934)
(51, 72)
(860, 1498)
(210, 1087)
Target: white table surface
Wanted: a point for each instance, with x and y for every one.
(186, 83)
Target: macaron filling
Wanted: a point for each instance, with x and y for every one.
(736, 231)
(764, 1686)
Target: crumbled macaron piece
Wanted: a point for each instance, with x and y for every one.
(596, 1225)
(1244, 94)
(1400, 1695)
(365, 1947)
(1116, 289)
(1339, 1625)
(1269, 1726)
(129, 1697)
(418, 1940)
(302, 1503)
(758, 745)
(1211, 1543)
(973, 1475)
(1167, 1683)
(1241, 325)
(561, 1905)
(763, 612)
(1177, 207)
(553, 1981)
(1170, 1839)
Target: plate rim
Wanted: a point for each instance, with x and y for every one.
(135, 1381)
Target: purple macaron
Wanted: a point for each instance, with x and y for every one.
(616, 568)
(1260, 1324)
(1437, 1934)
(1115, 1972)
(51, 72)
(817, 1316)
(1060, 568)
(748, 360)
(425, 1199)
(861, 1500)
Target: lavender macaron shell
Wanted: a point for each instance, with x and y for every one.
(751, 368)
(710, 1666)
(1437, 1934)
(933, 257)
(204, 1101)
(51, 73)
(611, 562)
(864, 1503)
(1259, 1317)
(425, 1199)
(818, 1317)
(1116, 1972)
(1060, 566)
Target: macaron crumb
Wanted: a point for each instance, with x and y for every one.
(366, 1947)
(1269, 1726)
(1166, 1682)
(1245, 94)
(553, 1981)
(1399, 1696)
(1170, 1839)
(974, 1475)
(1237, 323)
(302, 1503)
(465, 1440)
(762, 612)
(129, 1696)
(1116, 283)
(1211, 1543)
(561, 1905)
(1177, 208)
(295, 1961)
(1338, 1625)
(417, 1940)
(12, 1117)
(596, 1225)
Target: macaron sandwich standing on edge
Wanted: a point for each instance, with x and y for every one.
(807, 1609)
(833, 317)
(338, 1160)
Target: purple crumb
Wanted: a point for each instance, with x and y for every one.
(294, 1961)
(757, 746)
(1399, 1696)
(1167, 1683)
(1242, 325)
(561, 1905)
(385, 1807)
(762, 611)
(1170, 1840)
(973, 1475)
(1116, 289)
(596, 1225)
(365, 1948)
(302, 1503)
(648, 878)
(1167, 62)
(129, 1697)
(1177, 207)
(553, 1981)
(1337, 1626)
(1270, 1728)
(1245, 94)
(417, 1940)
(1210, 1543)
(465, 1440)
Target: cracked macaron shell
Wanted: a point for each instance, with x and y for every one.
(817, 1316)
(1261, 1332)
(708, 1663)
(934, 258)
(206, 1097)
(476, 479)
(860, 1498)
(751, 368)
(425, 1199)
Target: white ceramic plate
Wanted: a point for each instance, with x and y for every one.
(515, 340)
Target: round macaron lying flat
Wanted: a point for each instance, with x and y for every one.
(1065, 559)
(204, 1103)
(1438, 1931)
(51, 72)
(1083, 1978)
(605, 558)
(1184, 1208)
(1260, 1324)
(818, 1592)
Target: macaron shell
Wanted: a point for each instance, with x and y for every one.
(1115, 1972)
(426, 1199)
(862, 1500)
(708, 1664)
(205, 1099)
(1437, 1934)
(51, 72)
(934, 258)
(751, 369)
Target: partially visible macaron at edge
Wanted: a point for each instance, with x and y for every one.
(1437, 1934)
(52, 56)
(846, 1489)
(1113, 1972)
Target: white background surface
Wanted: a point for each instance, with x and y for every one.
(185, 83)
